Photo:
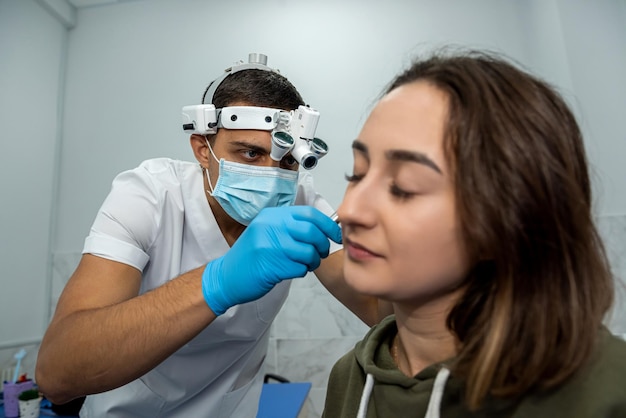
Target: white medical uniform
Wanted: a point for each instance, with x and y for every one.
(156, 218)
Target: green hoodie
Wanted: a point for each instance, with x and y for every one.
(596, 391)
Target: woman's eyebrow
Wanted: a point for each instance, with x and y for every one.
(412, 156)
(400, 155)
(359, 146)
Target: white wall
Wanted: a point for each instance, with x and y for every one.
(131, 67)
(595, 45)
(31, 55)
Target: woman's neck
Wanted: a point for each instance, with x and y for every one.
(423, 337)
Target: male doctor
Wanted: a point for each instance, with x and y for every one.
(186, 264)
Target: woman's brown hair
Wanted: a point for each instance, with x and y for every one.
(540, 283)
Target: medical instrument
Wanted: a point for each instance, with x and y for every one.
(335, 217)
(291, 131)
(271, 249)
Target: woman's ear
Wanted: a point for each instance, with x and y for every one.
(200, 149)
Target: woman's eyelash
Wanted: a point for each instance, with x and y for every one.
(353, 177)
(398, 192)
(393, 188)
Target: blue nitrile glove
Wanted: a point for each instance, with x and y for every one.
(280, 243)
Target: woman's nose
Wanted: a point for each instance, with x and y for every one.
(356, 207)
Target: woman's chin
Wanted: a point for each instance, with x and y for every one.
(364, 282)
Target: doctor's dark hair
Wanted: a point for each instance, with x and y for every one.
(257, 88)
(540, 283)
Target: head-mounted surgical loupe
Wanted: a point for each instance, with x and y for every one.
(291, 131)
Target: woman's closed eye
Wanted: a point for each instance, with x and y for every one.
(400, 193)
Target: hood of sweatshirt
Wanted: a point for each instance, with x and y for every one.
(424, 391)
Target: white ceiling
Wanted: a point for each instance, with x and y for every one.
(89, 3)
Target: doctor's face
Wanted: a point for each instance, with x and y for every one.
(248, 147)
(402, 239)
(245, 146)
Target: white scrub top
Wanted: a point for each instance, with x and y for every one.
(156, 218)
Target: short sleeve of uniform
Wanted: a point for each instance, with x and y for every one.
(127, 222)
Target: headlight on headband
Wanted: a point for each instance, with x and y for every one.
(291, 131)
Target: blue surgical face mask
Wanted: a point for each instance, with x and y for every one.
(242, 190)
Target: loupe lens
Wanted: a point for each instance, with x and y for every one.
(309, 162)
(318, 146)
(282, 139)
(282, 143)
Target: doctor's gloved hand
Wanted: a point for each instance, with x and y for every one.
(280, 243)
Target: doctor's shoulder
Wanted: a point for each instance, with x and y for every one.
(159, 173)
(168, 167)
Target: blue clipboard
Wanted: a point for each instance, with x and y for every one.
(282, 400)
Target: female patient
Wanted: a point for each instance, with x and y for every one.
(469, 209)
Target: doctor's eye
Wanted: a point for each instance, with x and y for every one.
(251, 154)
(288, 161)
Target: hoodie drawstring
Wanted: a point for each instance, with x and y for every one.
(365, 396)
(434, 403)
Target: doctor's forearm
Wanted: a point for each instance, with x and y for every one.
(99, 349)
(368, 308)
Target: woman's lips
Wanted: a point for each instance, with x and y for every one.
(357, 251)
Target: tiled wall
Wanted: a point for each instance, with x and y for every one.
(63, 266)
(309, 334)
(313, 330)
(613, 231)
